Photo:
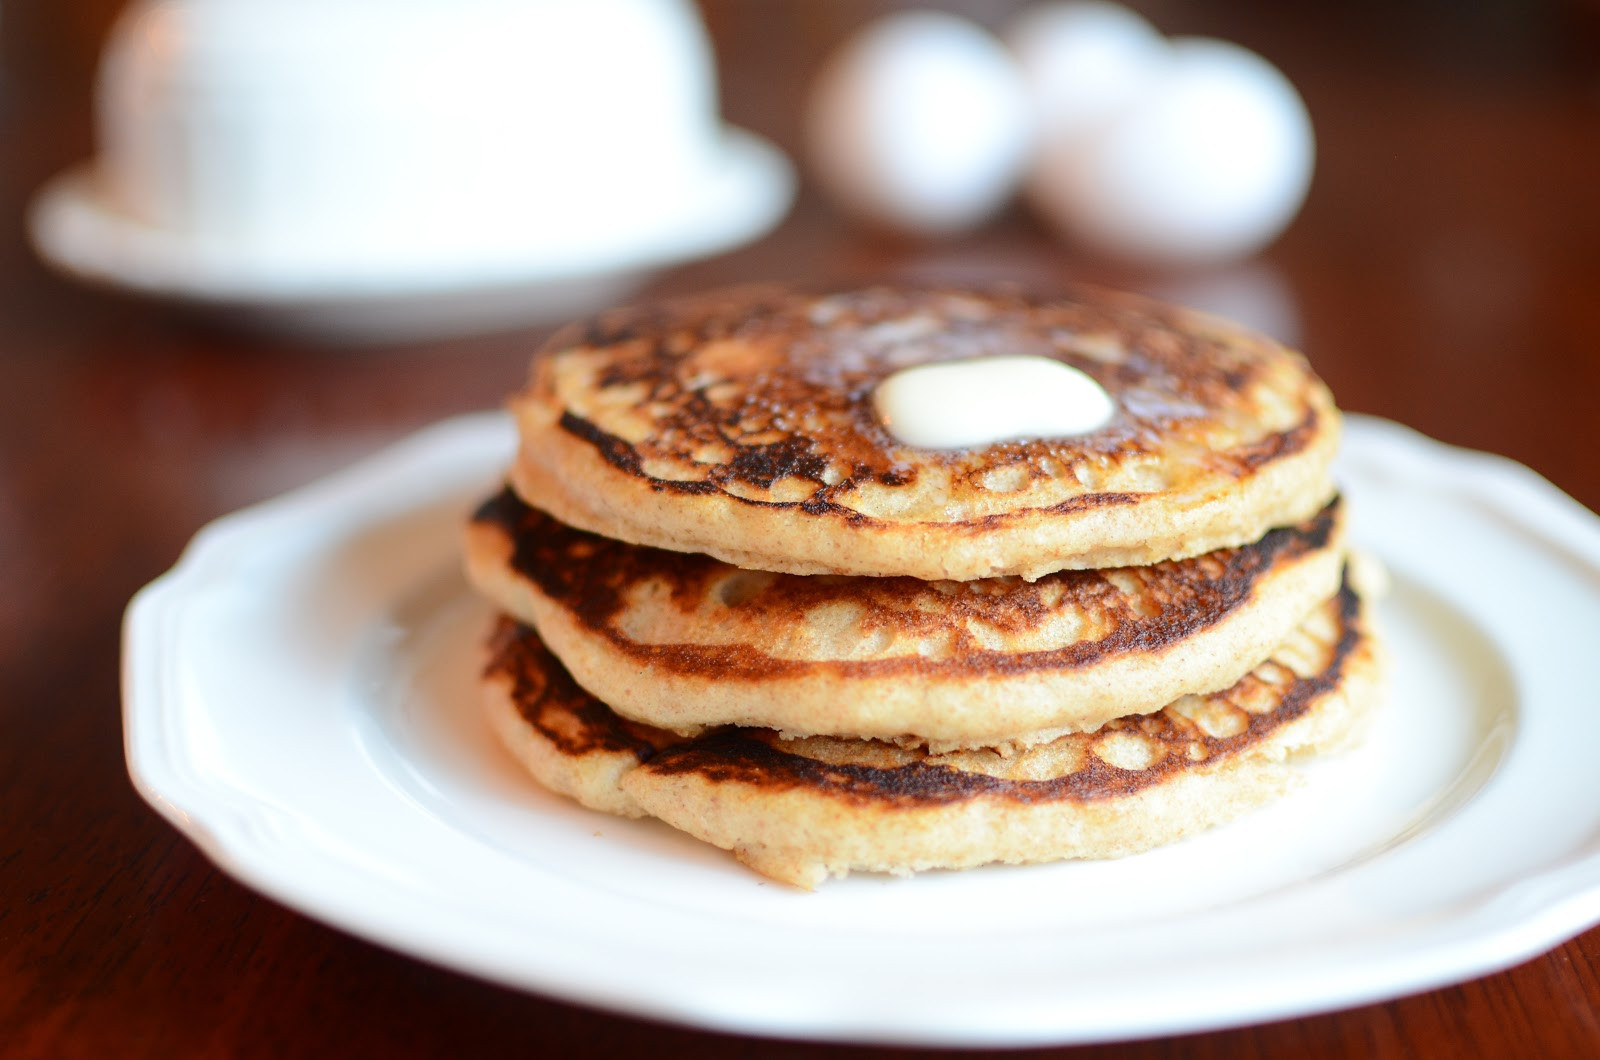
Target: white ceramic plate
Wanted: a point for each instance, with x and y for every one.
(300, 702)
(357, 294)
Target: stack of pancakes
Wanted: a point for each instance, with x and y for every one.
(732, 600)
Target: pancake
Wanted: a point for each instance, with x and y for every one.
(802, 810)
(685, 641)
(741, 425)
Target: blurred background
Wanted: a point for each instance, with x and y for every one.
(1442, 271)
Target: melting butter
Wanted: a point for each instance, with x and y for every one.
(985, 400)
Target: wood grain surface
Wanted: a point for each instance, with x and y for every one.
(1445, 273)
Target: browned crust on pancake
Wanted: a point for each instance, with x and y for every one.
(801, 810)
(652, 344)
(765, 465)
(589, 576)
(546, 694)
(549, 700)
(658, 424)
(685, 641)
(757, 757)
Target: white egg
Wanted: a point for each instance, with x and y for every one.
(1209, 163)
(920, 122)
(1083, 60)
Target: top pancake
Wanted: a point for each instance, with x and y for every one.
(740, 424)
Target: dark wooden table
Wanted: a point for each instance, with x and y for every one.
(1445, 273)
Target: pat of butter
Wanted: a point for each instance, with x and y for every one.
(985, 400)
